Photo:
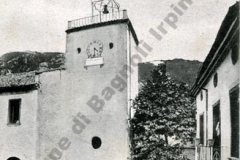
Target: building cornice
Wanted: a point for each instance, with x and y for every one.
(228, 31)
(102, 24)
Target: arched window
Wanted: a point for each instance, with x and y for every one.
(13, 158)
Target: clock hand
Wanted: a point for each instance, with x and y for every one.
(95, 49)
(94, 52)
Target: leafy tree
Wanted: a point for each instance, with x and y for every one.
(164, 111)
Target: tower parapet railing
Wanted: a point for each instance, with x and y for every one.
(101, 18)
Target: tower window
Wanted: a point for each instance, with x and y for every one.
(202, 129)
(111, 45)
(13, 158)
(79, 50)
(14, 111)
(96, 142)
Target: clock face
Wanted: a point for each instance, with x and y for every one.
(95, 49)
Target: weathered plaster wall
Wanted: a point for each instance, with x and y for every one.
(64, 94)
(47, 113)
(111, 123)
(19, 141)
(51, 122)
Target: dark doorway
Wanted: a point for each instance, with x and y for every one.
(217, 131)
(234, 107)
(216, 125)
(202, 129)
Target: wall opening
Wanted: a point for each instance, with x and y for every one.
(79, 50)
(13, 158)
(111, 45)
(96, 142)
(235, 53)
(201, 95)
(215, 80)
(217, 130)
(217, 125)
(202, 129)
(234, 110)
(14, 111)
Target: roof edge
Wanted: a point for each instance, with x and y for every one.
(96, 25)
(222, 39)
(19, 88)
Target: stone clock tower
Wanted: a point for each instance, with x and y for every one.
(98, 51)
(80, 111)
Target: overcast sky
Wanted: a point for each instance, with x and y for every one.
(39, 25)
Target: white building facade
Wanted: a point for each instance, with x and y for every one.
(217, 95)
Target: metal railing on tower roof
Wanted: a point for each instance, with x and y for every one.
(101, 18)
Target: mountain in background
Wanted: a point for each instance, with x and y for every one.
(16, 62)
(179, 69)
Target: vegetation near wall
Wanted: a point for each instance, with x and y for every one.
(179, 69)
(164, 111)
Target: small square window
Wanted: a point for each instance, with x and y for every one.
(14, 111)
(111, 45)
(79, 50)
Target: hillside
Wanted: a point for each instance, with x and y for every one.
(179, 69)
(17, 62)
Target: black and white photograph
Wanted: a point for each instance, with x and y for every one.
(119, 80)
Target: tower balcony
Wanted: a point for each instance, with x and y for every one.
(97, 19)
